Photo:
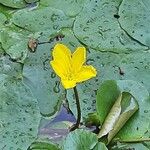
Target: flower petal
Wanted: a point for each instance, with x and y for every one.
(67, 84)
(58, 68)
(78, 58)
(86, 73)
(62, 55)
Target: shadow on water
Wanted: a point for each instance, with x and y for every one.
(52, 131)
(55, 129)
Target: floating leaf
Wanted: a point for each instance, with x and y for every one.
(14, 44)
(136, 66)
(72, 9)
(42, 80)
(137, 124)
(106, 97)
(135, 20)
(14, 3)
(100, 29)
(19, 114)
(124, 107)
(82, 139)
(48, 18)
(9, 67)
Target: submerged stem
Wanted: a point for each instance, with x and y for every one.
(75, 126)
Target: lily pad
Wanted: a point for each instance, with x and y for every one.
(19, 114)
(135, 19)
(122, 110)
(15, 44)
(14, 3)
(136, 66)
(100, 29)
(9, 67)
(72, 9)
(48, 18)
(137, 125)
(42, 80)
(82, 139)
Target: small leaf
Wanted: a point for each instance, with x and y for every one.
(82, 140)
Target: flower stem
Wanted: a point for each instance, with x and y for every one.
(75, 126)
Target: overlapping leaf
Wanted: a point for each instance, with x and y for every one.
(82, 139)
(122, 109)
(100, 28)
(19, 114)
(134, 18)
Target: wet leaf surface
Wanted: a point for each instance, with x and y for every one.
(73, 6)
(99, 28)
(42, 80)
(82, 139)
(116, 37)
(137, 125)
(19, 114)
(48, 18)
(134, 18)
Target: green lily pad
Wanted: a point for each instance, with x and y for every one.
(107, 94)
(100, 29)
(14, 3)
(137, 125)
(122, 110)
(42, 80)
(19, 114)
(136, 66)
(15, 44)
(72, 9)
(9, 67)
(82, 139)
(48, 18)
(135, 19)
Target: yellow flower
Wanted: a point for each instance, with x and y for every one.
(70, 67)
